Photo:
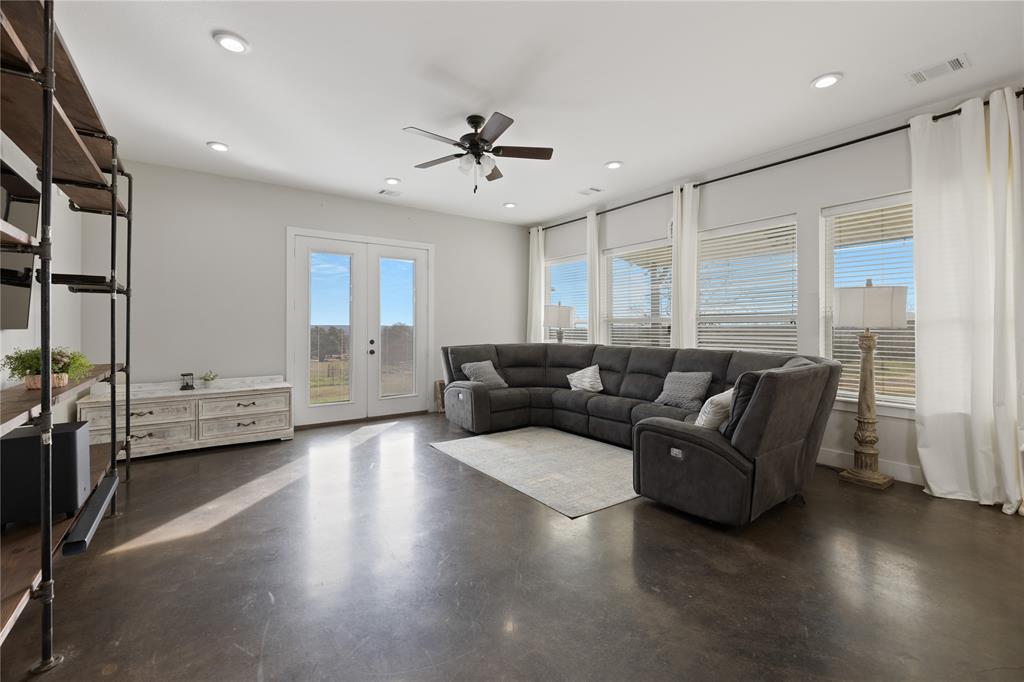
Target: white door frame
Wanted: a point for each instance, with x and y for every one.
(291, 316)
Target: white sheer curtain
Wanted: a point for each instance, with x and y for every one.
(594, 298)
(685, 213)
(536, 293)
(969, 255)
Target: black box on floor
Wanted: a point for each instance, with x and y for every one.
(20, 465)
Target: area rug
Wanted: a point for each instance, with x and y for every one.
(571, 474)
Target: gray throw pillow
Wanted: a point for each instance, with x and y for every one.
(685, 390)
(587, 379)
(485, 373)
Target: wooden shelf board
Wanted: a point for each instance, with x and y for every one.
(19, 550)
(9, 234)
(18, 404)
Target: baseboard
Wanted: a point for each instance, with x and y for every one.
(901, 471)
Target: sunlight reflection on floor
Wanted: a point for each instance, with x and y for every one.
(217, 511)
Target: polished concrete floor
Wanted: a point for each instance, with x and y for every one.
(360, 553)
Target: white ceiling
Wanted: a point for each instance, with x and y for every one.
(671, 89)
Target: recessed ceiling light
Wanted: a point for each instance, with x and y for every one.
(391, 181)
(232, 42)
(217, 146)
(826, 80)
(612, 165)
(509, 204)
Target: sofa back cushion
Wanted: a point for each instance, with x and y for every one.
(565, 358)
(751, 361)
(523, 363)
(704, 360)
(646, 372)
(460, 355)
(613, 361)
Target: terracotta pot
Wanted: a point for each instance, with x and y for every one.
(34, 382)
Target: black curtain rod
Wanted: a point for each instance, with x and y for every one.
(766, 166)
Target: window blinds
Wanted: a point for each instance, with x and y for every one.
(747, 289)
(876, 244)
(567, 285)
(640, 297)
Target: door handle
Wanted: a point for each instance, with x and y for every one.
(240, 424)
(245, 404)
(373, 352)
(372, 342)
(141, 414)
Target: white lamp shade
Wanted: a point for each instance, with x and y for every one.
(559, 316)
(871, 307)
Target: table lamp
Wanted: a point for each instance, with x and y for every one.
(559, 317)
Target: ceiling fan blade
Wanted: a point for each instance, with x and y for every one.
(542, 153)
(437, 162)
(494, 174)
(495, 126)
(432, 136)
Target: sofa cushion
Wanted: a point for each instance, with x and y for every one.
(704, 360)
(540, 396)
(685, 390)
(522, 364)
(509, 399)
(485, 373)
(586, 379)
(646, 372)
(645, 410)
(460, 355)
(610, 431)
(742, 391)
(613, 407)
(573, 401)
(715, 413)
(565, 358)
(749, 361)
(613, 361)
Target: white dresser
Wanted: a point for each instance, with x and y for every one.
(167, 419)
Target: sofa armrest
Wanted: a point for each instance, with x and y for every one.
(702, 437)
(468, 404)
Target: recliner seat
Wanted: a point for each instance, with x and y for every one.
(732, 479)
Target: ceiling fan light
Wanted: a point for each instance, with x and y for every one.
(486, 164)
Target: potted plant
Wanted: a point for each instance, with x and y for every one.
(65, 364)
(209, 378)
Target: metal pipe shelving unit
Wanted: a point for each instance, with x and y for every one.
(83, 179)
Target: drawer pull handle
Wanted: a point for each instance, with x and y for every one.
(142, 414)
(245, 404)
(252, 423)
(143, 437)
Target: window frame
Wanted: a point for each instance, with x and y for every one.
(605, 284)
(887, 408)
(789, 220)
(549, 334)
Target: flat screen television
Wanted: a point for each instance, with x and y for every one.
(19, 206)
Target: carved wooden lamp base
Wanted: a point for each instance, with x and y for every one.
(865, 456)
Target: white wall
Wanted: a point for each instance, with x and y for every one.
(209, 271)
(66, 310)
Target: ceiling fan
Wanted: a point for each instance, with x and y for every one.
(477, 150)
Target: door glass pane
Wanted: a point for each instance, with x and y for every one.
(330, 334)
(397, 327)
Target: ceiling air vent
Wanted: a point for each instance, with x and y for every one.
(590, 190)
(951, 65)
(389, 192)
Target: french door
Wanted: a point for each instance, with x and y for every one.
(358, 329)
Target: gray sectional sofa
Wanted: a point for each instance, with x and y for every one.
(731, 475)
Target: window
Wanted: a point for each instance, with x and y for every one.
(640, 297)
(747, 288)
(566, 282)
(875, 243)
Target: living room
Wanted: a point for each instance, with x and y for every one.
(717, 372)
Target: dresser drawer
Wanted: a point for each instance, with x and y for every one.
(142, 413)
(243, 424)
(152, 435)
(244, 404)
